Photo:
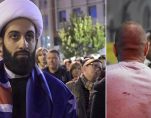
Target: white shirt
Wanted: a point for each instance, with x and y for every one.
(147, 62)
(12, 75)
(128, 90)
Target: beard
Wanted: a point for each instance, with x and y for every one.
(19, 66)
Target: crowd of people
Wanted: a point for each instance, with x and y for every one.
(84, 77)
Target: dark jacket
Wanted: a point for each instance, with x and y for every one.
(46, 97)
(82, 97)
(61, 74)
(98, 100)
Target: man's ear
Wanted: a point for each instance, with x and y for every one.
(146, 48)
(115, 50)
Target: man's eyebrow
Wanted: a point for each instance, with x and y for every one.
(13, 31)
(30, 31)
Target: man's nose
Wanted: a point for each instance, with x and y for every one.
(23, 44)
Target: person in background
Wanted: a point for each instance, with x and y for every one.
(26, 91)
(67, 63)
(75, 71)
(100, 72)
(54, 67)
(102, 58)
(82, 88)
(128, 81)
(148, 57)
(41, 54)
(79, 59)
(98, 99)
(98, 94)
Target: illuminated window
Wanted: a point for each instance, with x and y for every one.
(92, 11)
(62, 16)
(77, 11)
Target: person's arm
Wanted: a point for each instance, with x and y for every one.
(70, 111)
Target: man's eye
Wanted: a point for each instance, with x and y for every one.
(14, 35)
(29, 36)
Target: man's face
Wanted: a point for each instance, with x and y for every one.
(53, 60)
(91, 71)
(19, 46)
(42, 57)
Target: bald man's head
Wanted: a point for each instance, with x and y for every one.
(130, 42)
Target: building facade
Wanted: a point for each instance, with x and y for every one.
(93, 8)
(57, 12)
(136, 10)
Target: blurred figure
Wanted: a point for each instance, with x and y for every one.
(98, 100)
(100, 72)
(54, 67)
(128, 81)
(41, 54)
(102, 58)
(1, 49)
(82, 88)
(148, 57)
(98, 95)
(67, 63)
(75, 70)
(79, 59)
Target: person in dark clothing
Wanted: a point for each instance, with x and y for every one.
(82, 88)
(148, 57)
(54, 67)
(67, 64)
(98, 100)
(26, 91)
(60, 74)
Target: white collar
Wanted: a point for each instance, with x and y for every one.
(147, 62)
(12, 75)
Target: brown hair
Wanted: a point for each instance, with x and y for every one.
(74, 65)
(38, 52)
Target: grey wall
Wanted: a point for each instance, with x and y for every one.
(119, 11)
